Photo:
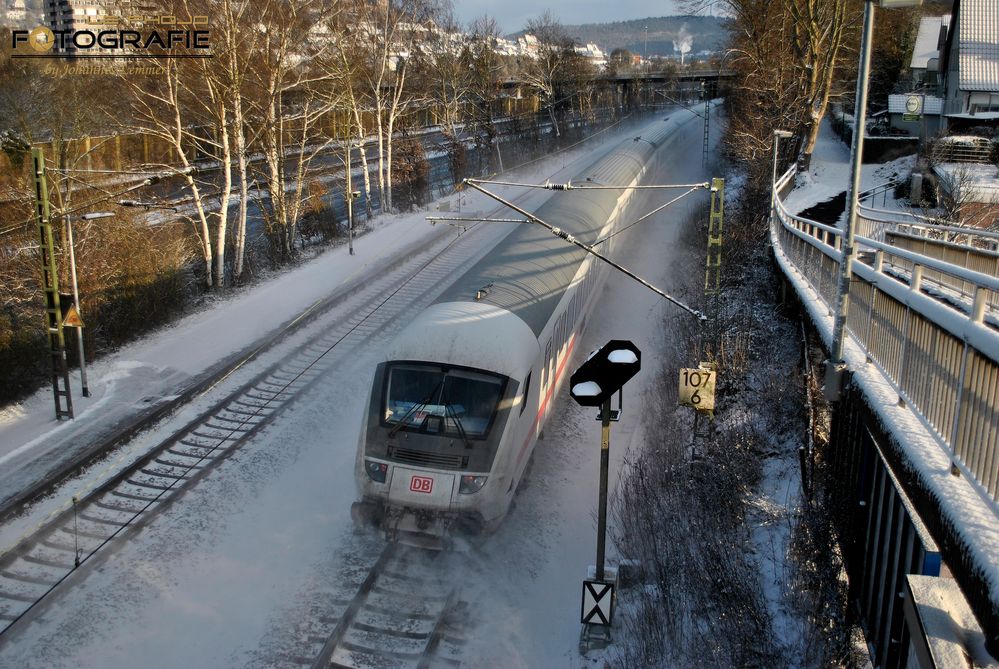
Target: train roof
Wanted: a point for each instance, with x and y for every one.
(528, 272)
(502, 342)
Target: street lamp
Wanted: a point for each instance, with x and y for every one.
(778, 135)
(834, 373)
(350, 196)
(76, 294)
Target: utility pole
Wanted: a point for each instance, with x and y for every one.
(350, 202)
(76, 302)
(50, 285)
(837, 366)
(707, 123)
(691, 382)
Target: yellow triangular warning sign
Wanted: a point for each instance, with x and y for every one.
(72, 318)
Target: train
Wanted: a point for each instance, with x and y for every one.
(463, 391)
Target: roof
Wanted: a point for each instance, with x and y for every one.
(928, 40)
(978, 45)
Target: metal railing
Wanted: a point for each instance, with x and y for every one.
(938, 354)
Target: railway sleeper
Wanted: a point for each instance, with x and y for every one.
(11, 595)
(387, 629)
(237, 425)
(376, 654)
(102, 503)
(260, 409)
(241, 413)
(46, 560)
(189, 466)
(83, 532)
(191, 441)
(100, 521)
(196, 451)
(55, 545)
(151, 485)
(399, 590)
(247, 422)
(389, 611)
(133, 496)
(275, 387)
(218, 439)
(35, 579)
(167, 475)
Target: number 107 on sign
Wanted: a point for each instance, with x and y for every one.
(697, 388)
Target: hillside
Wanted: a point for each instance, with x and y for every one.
(699, 33)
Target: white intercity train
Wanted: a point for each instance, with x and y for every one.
(464, 390)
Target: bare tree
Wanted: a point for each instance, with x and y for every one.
(293, 97)
(164, 107)
(552, 68)
(819, 29)
(487, 69)
(385, 39)
(449, 79)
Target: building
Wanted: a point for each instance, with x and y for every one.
(971, 65)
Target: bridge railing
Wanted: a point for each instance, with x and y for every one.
(932, 345)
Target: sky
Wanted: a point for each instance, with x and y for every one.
(513, 14)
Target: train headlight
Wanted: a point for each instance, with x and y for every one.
(376, 470)
(470, 484)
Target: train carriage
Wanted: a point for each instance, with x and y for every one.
(457, 404)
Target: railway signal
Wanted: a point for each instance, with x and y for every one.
(593, 384)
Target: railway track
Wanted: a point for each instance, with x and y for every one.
(35, 568)
(405, 614)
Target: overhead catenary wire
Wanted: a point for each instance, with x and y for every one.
(562, 234)
(646, 216)
(434, 219)
(570, 186)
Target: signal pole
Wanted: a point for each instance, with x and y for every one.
(50, 285)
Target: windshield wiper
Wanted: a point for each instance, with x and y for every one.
(457, 424)
(416, 407)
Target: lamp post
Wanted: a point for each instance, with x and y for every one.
(76, 294)
(834, 373)
(351, 194)
(778, 135)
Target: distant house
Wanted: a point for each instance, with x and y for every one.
(926, 85)
(925, 64)
(971, 65)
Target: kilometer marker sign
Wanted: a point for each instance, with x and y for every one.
(697, 388)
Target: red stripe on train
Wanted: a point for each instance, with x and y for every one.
(548, 395)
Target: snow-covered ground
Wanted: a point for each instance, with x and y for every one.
(220, 578)
(829, 175)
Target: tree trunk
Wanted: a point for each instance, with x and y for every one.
(224, 197)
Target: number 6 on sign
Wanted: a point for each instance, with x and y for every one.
(697, 388)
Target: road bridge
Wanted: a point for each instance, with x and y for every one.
(914, 451)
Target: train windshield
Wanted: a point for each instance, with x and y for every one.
(429, 398)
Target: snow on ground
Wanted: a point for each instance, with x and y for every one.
(220, 577)
(829, 175)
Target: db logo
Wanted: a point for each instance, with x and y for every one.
(421, 484)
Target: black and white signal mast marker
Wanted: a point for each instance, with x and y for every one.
(593, 385)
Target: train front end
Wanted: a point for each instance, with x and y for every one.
(439, 424)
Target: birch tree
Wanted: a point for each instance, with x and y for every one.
(554, 66)
(294, 96)
(384, 41)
